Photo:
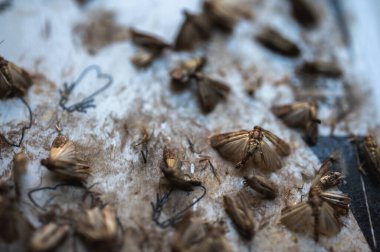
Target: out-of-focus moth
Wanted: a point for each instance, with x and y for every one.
(194, 29)
(211, 92)
(63, 160)
(252, 147)
(262, 185)
(220, 15)
(48, 237)
(99, 226)
(14, 81)
(182, 75)
(172, 173)
(277, 43)
(20, 165)
(319, 215)
(153, 48)
(304, 13)
(214, 241)
(369, 153)
(322, 68)
(301, 115)
(237, 210)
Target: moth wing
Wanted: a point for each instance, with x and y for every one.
(294, 115)
(298, 218)
(232, 145)
(267, 158)
(328, 223)
(282, 147)
(336, 199)
(188, 36)
(66, 153)
(211, 92)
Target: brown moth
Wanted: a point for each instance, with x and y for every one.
(181, 76)
(220, 15)
(211, 92)
(171, 171)
(153, 48)
(301, 115)
(262, 185)
(14, 81)
(194, 29)
(99, 225)
(20, 165)
(319, 215)
(323, 68)
(48, 237)
(304, 13)
(251, 146)
(63, 160)
(237, 210)
(369, 153)
(276, 42)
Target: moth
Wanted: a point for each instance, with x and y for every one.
(182, 75)
(369, 153)
(302, 115)
(20, 165)
(276, 42)
(257, 147)
(237, 210)
(48, 237)
(319, 215)
(220, 15)
(262, 185)
(214, 241)
(153, 48)
(194, 29)
(99, 225)
(171, 171)
(304, 13)
(14, 81)
(63, 160)
(322, 68)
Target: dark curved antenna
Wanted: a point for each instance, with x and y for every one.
(87, 102)
(23, 129)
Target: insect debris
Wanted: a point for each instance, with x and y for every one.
(304, 13)
(322, 68)
(153, 48)
(301, 115)
(262, 185)
(238, 211)
(319, 215)
(146, 136)
(63, 160)
(276, 42)
(251, 146)
(87, 102)
(184, 74)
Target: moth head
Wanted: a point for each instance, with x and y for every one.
(257, 133)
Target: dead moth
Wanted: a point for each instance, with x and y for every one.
(171, 171)
(14, 81)
(99, 226)
(262, 185)
(369, 153)
(304, 13)
(210, 92)
(182, 75)
(322, 68)
(251, 147)
(221, 16)
(301, 115)
(276, 42)
(152, 46)
(237, 210)
(48, 237)
(20, 165)
(63, 160)
(194, 29)
(319, 215)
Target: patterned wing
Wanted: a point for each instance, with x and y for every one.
(232, 145)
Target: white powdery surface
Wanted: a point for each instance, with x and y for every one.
(143, 98)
